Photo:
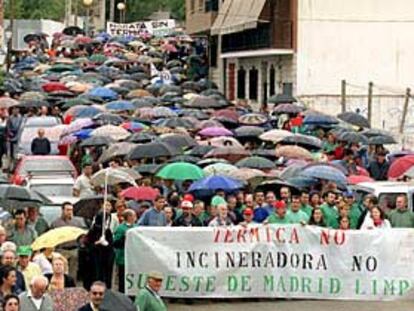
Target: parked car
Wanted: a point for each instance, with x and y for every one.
(387, 192)
(30, 166)
(28, 132)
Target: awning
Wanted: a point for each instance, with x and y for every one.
(238, 15)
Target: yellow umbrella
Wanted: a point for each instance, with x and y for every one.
(56, 237)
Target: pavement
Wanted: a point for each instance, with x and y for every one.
(293, 305)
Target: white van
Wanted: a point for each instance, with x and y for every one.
(386, 192)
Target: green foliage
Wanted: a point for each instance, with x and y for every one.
(55, 9)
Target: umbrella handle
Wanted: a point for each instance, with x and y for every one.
(102, 240)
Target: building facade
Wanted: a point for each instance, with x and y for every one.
(307, 47)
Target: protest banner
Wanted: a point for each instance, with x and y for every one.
(157, 28)
(273, 261)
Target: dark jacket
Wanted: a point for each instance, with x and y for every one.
(68, 280)
(86, 307)
(40, 146)
(181, 222)
(378, 171)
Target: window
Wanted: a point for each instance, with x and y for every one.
(201, 5)
(212, 5)
(213, 51)
(272, 81)
(251, 39)
(241, 83)
(253, 83)
(192, 6)
(288, 88)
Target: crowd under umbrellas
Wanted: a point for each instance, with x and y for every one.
(143, 114)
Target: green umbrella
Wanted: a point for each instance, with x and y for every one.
(61, 68)
(98, 58)
(181, 171)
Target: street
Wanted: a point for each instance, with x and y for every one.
(295, 305)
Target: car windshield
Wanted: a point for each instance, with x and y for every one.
(387, 201)
(50, 165)
(53, 190)
(41, 122)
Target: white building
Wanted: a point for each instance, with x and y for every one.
(308, 46)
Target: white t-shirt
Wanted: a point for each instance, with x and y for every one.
(84, 186)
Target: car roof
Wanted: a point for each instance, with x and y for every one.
(386, 186)
(54, 179)
(38, 157)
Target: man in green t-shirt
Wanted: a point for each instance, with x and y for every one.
(401, 217)
(295, 215)
(355, 210)
(305, 206)
(329, 210)
(279, 215)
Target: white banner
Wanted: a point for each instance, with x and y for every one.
(273, 261)
(157, 28)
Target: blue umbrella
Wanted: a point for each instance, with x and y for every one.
(120, 105)
(214, 183)
(83, 134)
(326, 172)
(87, 112)
(104, 93)
(302, 181)
(319, 119)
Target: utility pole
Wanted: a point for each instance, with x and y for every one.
(370, 91)
(1, 23)
(68, 11)
(112, 10)
(405, 109)
(343, 96)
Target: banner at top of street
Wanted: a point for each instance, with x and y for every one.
(158, 28)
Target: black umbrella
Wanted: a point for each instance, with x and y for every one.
(88, 207)
(176, 122)
(292, 170)
(275, 185)
(73, 31)
(200, 150)
(256, 162)
(210, 92)
(31, 37)
(173, 63)
(207, 84)
(353, 138)
(170, 89)
(13, 197)
(248, 131)
(282, 99)
(33, 103)
(147, 169)
(374, 132)
(142, 102)
(142, 137)
(381, 140)
(151, 150)
(96, 141)
(185, 158)
(204, 102)
(178, 141)
(108, 118)
(305, 141)
(265, 153)
(116, 301)
(190, 85)
(354, 119)
(287, 108)
(198, 114)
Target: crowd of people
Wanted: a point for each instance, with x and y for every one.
(190, 104)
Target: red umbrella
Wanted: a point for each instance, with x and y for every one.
(400, 166)
(140, 193)
(54, 86)
(362, 171)
(356, 179)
